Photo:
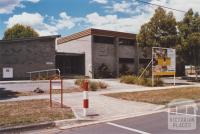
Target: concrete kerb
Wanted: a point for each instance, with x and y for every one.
(43, 125)
(23, 128)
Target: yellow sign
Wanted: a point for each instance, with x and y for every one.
(164, 61)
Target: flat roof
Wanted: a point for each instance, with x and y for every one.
(93, 31)
(31, 38)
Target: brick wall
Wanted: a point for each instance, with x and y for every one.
(27, 55)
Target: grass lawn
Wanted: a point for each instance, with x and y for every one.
(31, 111)
(161, 97)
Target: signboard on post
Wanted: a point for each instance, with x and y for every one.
(163, 62)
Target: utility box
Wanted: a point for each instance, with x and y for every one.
(7, 72)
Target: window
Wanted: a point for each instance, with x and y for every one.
(123, 41)
(103, 39)
(144, 61)
(126, 60)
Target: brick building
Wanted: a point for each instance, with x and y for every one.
(77, 54)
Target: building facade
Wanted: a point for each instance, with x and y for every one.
(100, 48)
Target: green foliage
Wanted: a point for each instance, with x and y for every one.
(160, 31)
(79, 82)
(103, 71)
(125, 70)
(19, 31)
(102, 85)
(147, 72)
(129, 79)
(93, 85)
(189, 35)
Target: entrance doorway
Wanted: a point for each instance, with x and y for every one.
(71, 64)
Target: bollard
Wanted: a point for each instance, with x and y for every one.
(85, 97)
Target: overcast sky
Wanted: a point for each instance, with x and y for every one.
(50, 17)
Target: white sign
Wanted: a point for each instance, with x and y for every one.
(182, 115)
(7, 72)
(49, 63)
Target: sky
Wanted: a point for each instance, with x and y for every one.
(65, 17)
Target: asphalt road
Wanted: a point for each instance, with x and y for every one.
(149, 124)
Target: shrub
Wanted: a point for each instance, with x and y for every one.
(103, 71)
(142, 81)
(102, 85)
(129, 79)
(79, 82)
(93, 85)
(158, 82)
(125, 70)
(147, 72)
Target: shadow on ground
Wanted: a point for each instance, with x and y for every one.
(7, 94)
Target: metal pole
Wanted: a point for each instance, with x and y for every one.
(50, 93)
(61, 93)
(30, 76)
(174, 79)
(59, 72)
(39, 75)
(152, 80)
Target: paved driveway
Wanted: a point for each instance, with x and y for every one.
(114, 84)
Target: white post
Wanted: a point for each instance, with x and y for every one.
(152, 69)
(152, 80)
(84, 112)
(174, 79)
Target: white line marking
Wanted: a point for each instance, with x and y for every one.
(127, 128)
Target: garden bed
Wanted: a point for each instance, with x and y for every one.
(160, 97)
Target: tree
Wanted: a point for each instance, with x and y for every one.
(160, 31)
(19, 31)
(189, 34)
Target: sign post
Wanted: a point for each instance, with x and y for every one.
(163, 62)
